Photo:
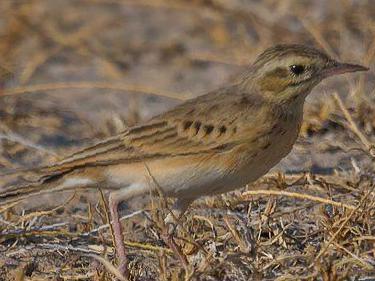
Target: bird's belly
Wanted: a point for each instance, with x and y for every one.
(192, 177)
(189, 178)
(181, 177)
(215, 176)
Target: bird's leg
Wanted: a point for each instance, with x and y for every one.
(118, 235)
(178, 209)
(115, 198)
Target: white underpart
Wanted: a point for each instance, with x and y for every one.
(130, 191)
(76, 182)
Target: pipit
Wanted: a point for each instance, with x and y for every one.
(208, 145)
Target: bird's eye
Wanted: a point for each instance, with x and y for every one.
(297, 69)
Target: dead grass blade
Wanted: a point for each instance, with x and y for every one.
(330, 241)
(110, 268)
(298, 196)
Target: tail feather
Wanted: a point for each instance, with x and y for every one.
(44, 183)
(29, 182)
(16, 193)
(23, 183)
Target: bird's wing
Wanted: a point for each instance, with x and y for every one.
(152, 140)
(198, 126)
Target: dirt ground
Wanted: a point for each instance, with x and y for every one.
(74, 72)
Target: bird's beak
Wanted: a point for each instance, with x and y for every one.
(337, 68)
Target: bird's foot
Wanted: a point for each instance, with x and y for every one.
(123, 269)
(176, 249)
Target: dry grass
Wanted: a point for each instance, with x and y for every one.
(72, 72)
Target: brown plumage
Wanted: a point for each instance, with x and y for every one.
(211, 144)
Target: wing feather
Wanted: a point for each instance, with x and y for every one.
(200, 126)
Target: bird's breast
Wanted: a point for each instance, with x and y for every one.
(256, 157)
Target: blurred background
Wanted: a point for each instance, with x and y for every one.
(75, 71)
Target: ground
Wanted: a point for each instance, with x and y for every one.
(75, 72)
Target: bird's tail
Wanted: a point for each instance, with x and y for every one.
(17, 184)
(39, 181)
(16, 193)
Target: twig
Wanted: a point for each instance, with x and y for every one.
(13, 137)
(93, 85)
(325, 248)
(45, 213)
(54, 233)
(53, 247)
(111, 269)
(299, 196)
(148, 247)
(237, 237)
(361, 261)
(88, 276)
(108, 218)
(37, 230)
(352, 125)
(8, 206)
(211, 57)
(104, 226)
(316, 34)
(364, 237)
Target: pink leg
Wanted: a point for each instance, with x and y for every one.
(178, 210)
(118, 236)
(115, 198)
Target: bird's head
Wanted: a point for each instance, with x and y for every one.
(284, 72)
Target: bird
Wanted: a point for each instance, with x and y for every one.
(208, 145)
